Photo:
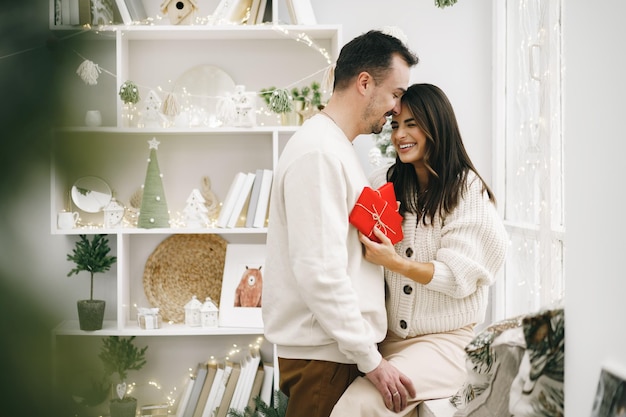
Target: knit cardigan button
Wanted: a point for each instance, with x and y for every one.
(409, 252)
(403, 324)
(407, 289)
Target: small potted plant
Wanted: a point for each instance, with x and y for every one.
(119, 355)
(93, 257)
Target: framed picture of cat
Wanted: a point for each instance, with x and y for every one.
(242, 285)
(610, 398)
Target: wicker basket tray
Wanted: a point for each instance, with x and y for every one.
(184, 265)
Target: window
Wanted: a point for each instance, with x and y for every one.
(528, 148)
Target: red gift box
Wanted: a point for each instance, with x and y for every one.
(377, 208)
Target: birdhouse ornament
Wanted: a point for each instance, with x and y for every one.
(192, 312)
(180, 12)
(209, 313)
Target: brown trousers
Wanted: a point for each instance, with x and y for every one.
(313, 386)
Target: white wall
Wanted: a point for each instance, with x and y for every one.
(454, 47)
(595, 145)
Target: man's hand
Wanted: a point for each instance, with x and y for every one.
(394, 386)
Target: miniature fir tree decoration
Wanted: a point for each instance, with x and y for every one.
(196, 212)
(153, 212)
(151, 111)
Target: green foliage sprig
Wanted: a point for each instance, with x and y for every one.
(280, 100)
(262, 409)
(119, 355)
(444, 3)
(310, 95)
(92, 256)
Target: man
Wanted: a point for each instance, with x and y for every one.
(323, 304)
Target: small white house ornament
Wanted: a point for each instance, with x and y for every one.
(192, 312)
(209, 313)
(113, 214)
(245, 107)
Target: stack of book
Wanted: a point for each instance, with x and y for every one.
(249, 12)
(215, 388)
(247, 200)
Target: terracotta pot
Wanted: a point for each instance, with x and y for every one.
(90, 314)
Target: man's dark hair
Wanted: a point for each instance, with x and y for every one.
(371, 52)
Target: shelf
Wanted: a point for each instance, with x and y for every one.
(71, 328)
(229, 32)
(160, 231)
(182, 131)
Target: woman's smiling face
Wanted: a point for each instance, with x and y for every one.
(408, 139)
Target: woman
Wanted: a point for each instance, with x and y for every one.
(438, 276)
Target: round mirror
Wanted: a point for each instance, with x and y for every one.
(198, 91)
(91, 194)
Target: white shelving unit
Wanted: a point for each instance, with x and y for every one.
(117, 154)
(258, 57)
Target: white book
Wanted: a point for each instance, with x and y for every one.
(206, 389)
(256, 387)
(227, 396)
(303, 11)
(264, 197)
(65, 12)
(209, 406)
(184, 398)
(228, 369)
(260, 12)
(254, 11)
(229, 201)
(240, 382)
(231, 11)
(136, 10)
(201, 372)
(292, 12)
(244, 195)
(254, 197)
(268, 382)
(252, 364)
(74, 12)
(124, 13)
(265, 12)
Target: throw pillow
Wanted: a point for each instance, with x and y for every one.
(538, 387)
(482, 358)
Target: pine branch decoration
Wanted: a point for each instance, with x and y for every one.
(444, 3)
(262, 409)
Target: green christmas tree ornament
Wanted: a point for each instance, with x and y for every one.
(153, 212)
